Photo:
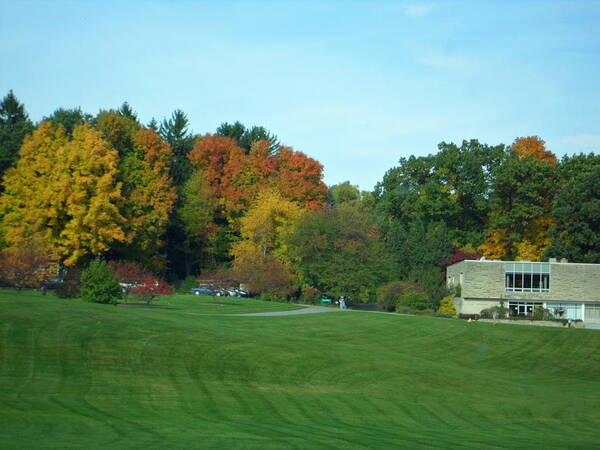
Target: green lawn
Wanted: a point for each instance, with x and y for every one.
(203, 304)
(79, 375)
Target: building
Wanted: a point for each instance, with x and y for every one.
(568, 290)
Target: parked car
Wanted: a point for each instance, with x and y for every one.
(53, 283)
(202, 291)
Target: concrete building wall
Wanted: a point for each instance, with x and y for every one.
(485, 280)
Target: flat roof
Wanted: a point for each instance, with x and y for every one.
(535, 262)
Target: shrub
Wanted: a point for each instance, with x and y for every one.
(387, 295)
(540, 313)
(417, 300)
(186, 284)
(99, 283)
(497, 312)
(447, 307)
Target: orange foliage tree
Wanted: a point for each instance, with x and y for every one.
(533, 146)
(26, 266)
(237, 177)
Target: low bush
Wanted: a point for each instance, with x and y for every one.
(100, 284)
(186, 284)
(414, 299)
(495, 312)
(447, 307)
(388, 294)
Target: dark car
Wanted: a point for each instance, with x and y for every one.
(202, 291)
(53, 283)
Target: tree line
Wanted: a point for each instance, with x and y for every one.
(77, 186)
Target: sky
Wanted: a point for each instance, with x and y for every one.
(354, 84)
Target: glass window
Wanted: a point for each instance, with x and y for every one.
(522, 308)
(527, 277)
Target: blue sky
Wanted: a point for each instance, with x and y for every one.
(355, 84)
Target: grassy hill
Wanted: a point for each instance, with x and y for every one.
(79, 375)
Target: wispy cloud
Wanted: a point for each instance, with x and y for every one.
(581, 143)
(415, 11)
(438, 59)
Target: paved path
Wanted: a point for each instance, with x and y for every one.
(304, 310)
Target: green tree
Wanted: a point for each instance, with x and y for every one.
(176, 133)
(520, 204)
(99, 284)
(451, 186)
(339, 251)
(419, 251)
(196, 213)
(576, 211)
(14, 126)
(343, 193)
(126, 111)
(247, 137)
(69, 118)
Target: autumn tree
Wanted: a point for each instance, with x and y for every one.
(30, 203)
(265, 227)
(265, 276)
(150, 194)
(66, 191)
(26, 266)
(135, 279)
(236, 178)
(150, 288)
(118, 130)
(14, 126)
(535, 147)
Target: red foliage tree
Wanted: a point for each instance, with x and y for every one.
(460, 255)
(151, 287)
(136, 280)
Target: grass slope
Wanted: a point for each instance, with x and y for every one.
(78, 375)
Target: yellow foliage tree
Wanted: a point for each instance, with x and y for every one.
(65, 191)
(268, 220)
(29, 202)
